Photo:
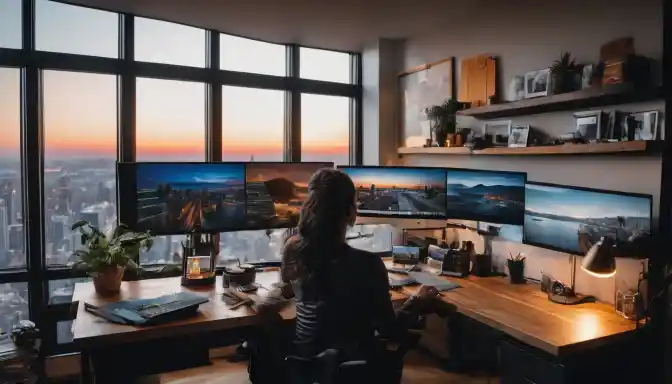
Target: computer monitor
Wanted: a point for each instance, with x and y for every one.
(571, 219)
(491, 196)
(399, 192)
(276, 192)
(179, 198)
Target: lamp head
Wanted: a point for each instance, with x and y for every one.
(599, 260)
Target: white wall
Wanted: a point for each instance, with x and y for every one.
(527, 36)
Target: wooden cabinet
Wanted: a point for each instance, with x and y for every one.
(518, 366)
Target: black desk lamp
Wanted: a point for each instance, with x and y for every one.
(600, 259)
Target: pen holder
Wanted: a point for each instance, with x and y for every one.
(482, 265)
(516, 271)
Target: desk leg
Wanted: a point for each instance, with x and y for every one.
(86, 376)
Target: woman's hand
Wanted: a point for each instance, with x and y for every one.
(426, 292)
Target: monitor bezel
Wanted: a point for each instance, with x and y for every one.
(483, 219)
(129, 187)
(585, 189)
(259, 228)
(396, 216)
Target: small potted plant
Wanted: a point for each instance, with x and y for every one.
(516, 266)
(107, 257)
(443, 120)
(563, 74)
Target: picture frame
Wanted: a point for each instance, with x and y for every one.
(537, 83)
(589, 125)
(519, 137)
(497, 133)
(646, 125)
(587, 76)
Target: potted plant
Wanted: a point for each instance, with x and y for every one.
(516, 266)
(563, 74)
(107, 257)
(443, 120)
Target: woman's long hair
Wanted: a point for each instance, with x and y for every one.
(323, 220)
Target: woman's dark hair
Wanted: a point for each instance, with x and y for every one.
(324, 217)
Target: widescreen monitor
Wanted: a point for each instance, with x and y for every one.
(399, 192)
(178, 198)
(276, 192)
(491, 196)
(572, 219)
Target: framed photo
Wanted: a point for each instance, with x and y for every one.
(497, 133)
(646, 125)
(589, 125)
(537, 83)
(587, 76)
(519, 136)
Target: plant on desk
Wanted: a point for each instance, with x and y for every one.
(107, 257)
(516, 266)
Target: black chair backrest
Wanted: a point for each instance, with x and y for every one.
(324, 368)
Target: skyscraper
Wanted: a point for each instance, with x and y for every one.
(15, 235)
(4, 233)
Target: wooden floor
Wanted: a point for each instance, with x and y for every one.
(419, 368)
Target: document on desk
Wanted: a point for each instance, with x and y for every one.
(426, 278)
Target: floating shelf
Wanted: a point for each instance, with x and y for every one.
(586, 98)
(566, 149)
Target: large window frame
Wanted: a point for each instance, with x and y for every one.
(32, 64)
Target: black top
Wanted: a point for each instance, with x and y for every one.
(344, 306)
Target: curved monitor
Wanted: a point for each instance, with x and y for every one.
(399, 192)
(571, 219)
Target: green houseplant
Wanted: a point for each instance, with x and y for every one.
(563, 74)
(443, 120)
(107, 257)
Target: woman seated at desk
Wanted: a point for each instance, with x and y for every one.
(342, 293)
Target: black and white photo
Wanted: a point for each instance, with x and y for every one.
(537, 82)
(519, 136)
(646, 125)
(497, 133)
(589, 125)
(587, 76)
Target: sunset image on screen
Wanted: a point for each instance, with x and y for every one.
(399, 191)
(276, 192)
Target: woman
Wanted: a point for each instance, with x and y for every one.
(342, 293)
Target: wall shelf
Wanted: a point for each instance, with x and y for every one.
(586, 98)
(566, 149)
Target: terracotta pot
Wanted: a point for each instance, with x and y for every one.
(450, 140)
(108, 281)
(458, 141)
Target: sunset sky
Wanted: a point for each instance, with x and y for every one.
(80, 109)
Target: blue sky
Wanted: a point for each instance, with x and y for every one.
(149, 175)
(386, 177)
(472, 178)
(580, 204)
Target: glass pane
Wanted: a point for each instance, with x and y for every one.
(325, 128)
(11, 219)
(80, 143)
(246, 55)
(170, 120)
(72, 29)
(318, 64)
(166, 250)
(247, 133)
(10, 24)
(169, 43)
(64, 332)
(13, 306)
(251, 246)
(60, 291)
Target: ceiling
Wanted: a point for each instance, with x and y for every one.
(341, 25)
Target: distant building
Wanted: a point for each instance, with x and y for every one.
(4, 233)
(15, 236)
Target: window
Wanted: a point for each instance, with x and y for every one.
(169, 43)
(250, 246)
(246, 55)
(10, 24)
(325, 128)
(165, 250)
(60, 291)
(170, 120)
(13, 307)
(252, 124)
(80, 143)
(72, 29)
(11, 221)
(318, 64)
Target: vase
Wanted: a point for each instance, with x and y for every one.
(450, 140)
(562, 82)
(108, 281)
(458, 140)
(440, 138)
(516, 272)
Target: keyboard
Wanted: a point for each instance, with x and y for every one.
(150, 311)
(398, 283)
(403, 271)
(426, 278)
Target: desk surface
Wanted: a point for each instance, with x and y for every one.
(521, 311)
(91, 331)
(526, 314)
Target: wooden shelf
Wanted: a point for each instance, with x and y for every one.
(567, 149)
(586, 98)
